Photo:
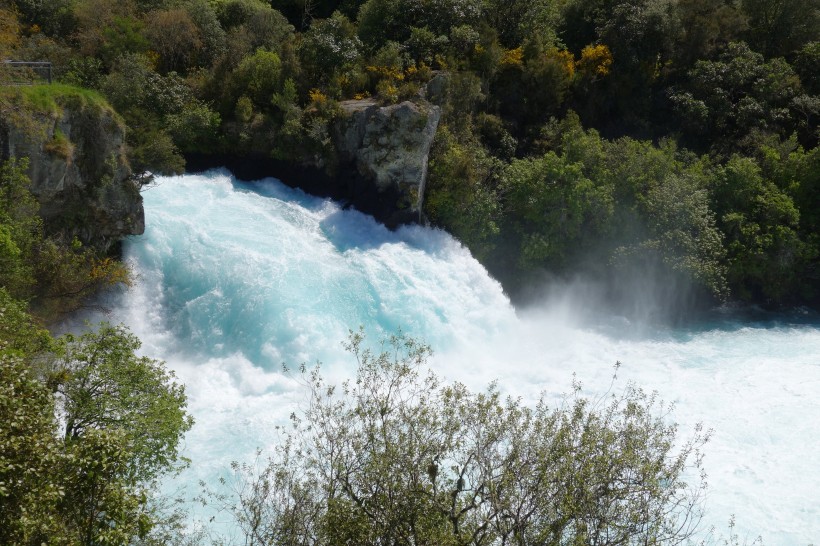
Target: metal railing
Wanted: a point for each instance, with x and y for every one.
(24, 72)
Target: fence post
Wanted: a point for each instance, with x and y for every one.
(36, 67)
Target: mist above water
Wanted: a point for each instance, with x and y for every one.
(235, 279)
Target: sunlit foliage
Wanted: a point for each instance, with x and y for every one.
(87, 428)
(396, 456)
(725, 79)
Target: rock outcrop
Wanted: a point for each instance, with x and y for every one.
(388, 146)
(78, 169)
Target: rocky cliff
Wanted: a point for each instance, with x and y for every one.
(77, 165)
(388, 148)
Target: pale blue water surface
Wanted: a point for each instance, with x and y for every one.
(235, 279)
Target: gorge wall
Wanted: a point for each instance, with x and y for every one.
(77, 165)
(387, 149)
(379, 156)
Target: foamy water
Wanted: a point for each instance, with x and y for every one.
(235, 279)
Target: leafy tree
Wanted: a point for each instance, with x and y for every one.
(144, 98)
(807, 65)
(461, 193)
(20, 334)
(122, 418)
(803, 169)
(765, 252)
(617, 210)
(518, 20)
(122, 423)
(144, 6)
(84, 72)
(464, 39)
(259, 76)
(21, 229)
(533, 87)
(742, 192)
(802, 179)
(104, 385)
(641, 37)
(29, 453)
(381, 21)
(329, 49)
(495, 136)
(555, 210)
(134, 84)
(125, 36)
(253, 24)
(666, 230)
(442, 15)
(729, 98)
(9, 31)
(54, 17)
(460, 97)
(707, 26)
(176, 38)
(781, 27)
(398, 457)
(577, 26)
(94, 19)
(640, 34)
(268, 28)
(233, 13)
(100, 503)
(203, 14)
(152, 149)
(195, 128)
(423, 45)
(682, 238)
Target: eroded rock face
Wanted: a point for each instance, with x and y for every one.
(79, 173)
(390, 146)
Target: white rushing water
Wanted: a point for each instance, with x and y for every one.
(235, 279)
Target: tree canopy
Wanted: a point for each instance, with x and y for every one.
(513, 81)
(86, 429)
(397, 456)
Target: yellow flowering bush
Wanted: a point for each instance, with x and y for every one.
(317, 98)
(596, 60)
(513, 57)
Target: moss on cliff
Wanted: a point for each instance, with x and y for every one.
(52, 98)
(29, 107)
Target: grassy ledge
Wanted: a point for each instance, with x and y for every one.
(51, 99)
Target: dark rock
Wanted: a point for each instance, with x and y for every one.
(79, 173)
(388, 147)
(382, 169)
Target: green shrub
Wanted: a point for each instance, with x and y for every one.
(398, 457)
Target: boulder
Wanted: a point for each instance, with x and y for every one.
(389, 147)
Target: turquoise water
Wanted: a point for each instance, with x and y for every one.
(235, 279)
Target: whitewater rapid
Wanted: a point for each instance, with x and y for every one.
(232, 280)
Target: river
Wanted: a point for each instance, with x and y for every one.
(234, 279)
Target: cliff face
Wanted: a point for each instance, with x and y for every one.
(378, 154)
(389, 148)
(78, 169)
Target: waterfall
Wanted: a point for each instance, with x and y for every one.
(235, 279)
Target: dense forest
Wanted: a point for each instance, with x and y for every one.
(677, 138)
(673, 136)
